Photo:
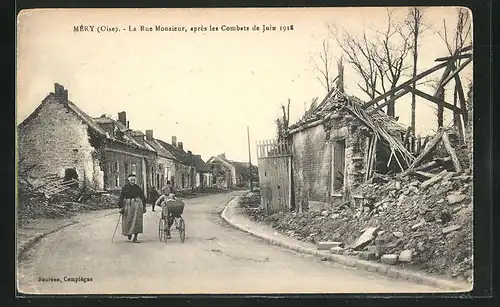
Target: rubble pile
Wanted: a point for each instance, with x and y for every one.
(412, 221)
(250, 205)
(33, 204)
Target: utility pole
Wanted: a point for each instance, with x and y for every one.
(250, 160)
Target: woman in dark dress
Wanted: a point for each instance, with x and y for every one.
(132, 204)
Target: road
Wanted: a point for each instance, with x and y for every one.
(215, 258)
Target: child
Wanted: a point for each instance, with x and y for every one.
(171, 208)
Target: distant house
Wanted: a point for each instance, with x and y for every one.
(184, 175)
(203, 172)
(244, 173)
(58, 138)
(231, 174)
(165, 167)
(125, 152)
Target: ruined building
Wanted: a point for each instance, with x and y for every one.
(59, 139)
(338, 146)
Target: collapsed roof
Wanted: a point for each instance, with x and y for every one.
(381, 124)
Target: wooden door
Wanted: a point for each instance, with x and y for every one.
(338, 165)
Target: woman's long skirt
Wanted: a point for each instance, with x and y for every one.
(132, 217)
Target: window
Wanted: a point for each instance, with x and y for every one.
(117, 181)
(134, 169)
(116, 167)
(125, 166)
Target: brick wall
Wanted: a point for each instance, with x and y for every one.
(312, 159)
(57, 139)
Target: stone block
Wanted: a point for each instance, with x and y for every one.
(328, 245)
(451, 228)
(365, 239)
(398, 234)
(389, 259)
(418, 225)
(405, 256)
(455, 198)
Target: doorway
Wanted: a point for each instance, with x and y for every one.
(338, 164)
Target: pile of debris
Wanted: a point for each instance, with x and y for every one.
(419, 219)
(33, 203)
(250, 205)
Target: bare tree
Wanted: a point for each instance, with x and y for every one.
(462, 36)
(414, 22)
(378, 57)
(323, 65)
(394, 46)
(360, 53)
(283, 122)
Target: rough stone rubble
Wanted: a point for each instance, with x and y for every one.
(411, 221)
(32, 204)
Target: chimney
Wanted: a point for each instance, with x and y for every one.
(122, 118)
(180, 145)
(174, 141)
(60, 92)
(149, 135)
(128, 126)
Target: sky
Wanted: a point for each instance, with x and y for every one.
(206, 87)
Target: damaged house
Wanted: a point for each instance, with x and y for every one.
(230, 174)
(334, 148)
(339, 145)
(59, 139)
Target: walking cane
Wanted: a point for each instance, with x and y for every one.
(117, 223)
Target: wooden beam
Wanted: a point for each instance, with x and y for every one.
(427, 150)
(397, 96)
(435, 100)
(465, 49)
(454, 57)
(424, 174)
(456, 71)
(451, 151)
(431, 164)
(403, 85)
(407, 137)
(461, 98)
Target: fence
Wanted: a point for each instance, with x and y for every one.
(275, 175)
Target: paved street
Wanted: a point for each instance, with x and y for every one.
(214, 259)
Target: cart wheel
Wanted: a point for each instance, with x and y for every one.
(161, 231)
(182, 230)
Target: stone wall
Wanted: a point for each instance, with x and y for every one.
(182, 176)
(311, 166)
(56, 139)
(119, 165)
(312, 159)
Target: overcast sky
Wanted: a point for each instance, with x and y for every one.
(206, 87)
